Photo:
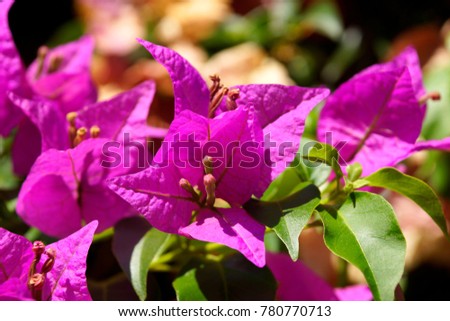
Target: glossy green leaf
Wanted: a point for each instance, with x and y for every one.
(146, 250)
(411, 187)
(323, 153)
(364, 231)
(288, 217)
(234, 278)
(284, 185)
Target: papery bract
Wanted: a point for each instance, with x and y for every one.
(60, 75)
(66, 281)
(66, 186)
(123, 114)
(12, 74)
(296, 282)
(377, 115)
(181, 181)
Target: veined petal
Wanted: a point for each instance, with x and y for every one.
(156, 193)
(407, 58)
(285, 131)
(273, 101)
(232, 227)
(182, 146)
(239, 165)
(281, 111)
(67, 279)
(375, 116)
(190, 90)
(15, 255)
(98, 202)
(47, 118)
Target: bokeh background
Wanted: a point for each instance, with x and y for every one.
(308, 43)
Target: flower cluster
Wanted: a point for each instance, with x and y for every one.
(224, 147)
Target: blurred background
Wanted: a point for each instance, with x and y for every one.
(308, 43)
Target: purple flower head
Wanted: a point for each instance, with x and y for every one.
(34, 271)
(215, 157)
(296, 282)
(60, 75)
(66, 185)
(376, 116)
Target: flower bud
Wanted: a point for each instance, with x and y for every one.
(210, 186)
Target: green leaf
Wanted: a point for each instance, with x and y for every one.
(326, 154)
(201, 281)
(145, 252)
(284, 185)
(411, 187)
(288, 217)
(233, 278)
(364, 231)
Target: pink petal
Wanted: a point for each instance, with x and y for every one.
(281, 111)
(76, 57)
(49, 203)
(67, 279)
(46, 117)
(286, 130)
(125, 113)
(232, 227)
(376, 116)
(98, 202)
(182, 146)
(273, 101)
(71, 85)
(296, 282)
(190, 90)
(70, 91)
(241, 168)
(15, 256)
(354, 293)
(407, 58)
(12, 74)
(155, 193)
(26, 148)
(441, 144)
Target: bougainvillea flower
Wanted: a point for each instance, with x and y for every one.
(214, 159)
(60, 75)
(66, 186)
(376, 116)
(280, 110)
(296, 282)
(34, 271)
